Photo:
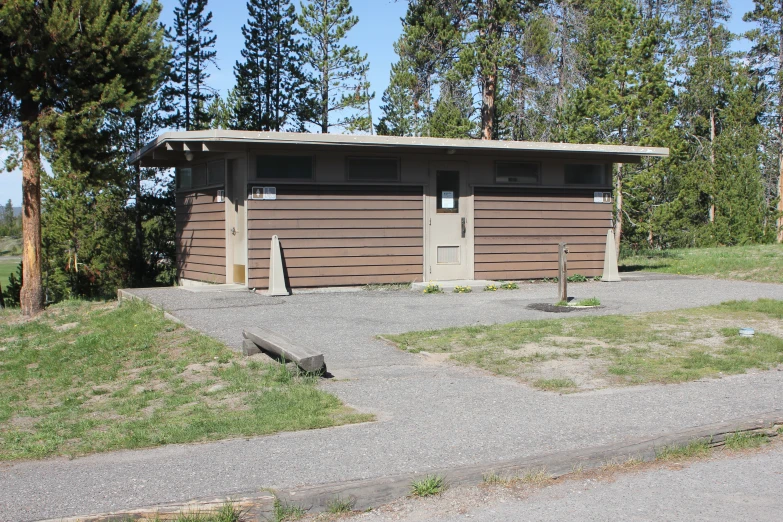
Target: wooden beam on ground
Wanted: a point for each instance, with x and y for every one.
(306, 358)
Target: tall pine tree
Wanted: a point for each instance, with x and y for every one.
(339, 89)
(271, 84)
(187, 92)
(59, 75)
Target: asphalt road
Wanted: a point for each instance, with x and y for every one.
(725, 489)
(429, 415)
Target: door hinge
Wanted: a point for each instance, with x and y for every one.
(430, 221)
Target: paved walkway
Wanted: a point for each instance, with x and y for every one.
(429, 416)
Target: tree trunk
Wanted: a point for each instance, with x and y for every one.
(618, 223)
(140, 265)
(780, 201)
(31, 298)
(488, 107)
(325, 104)
(712, 165)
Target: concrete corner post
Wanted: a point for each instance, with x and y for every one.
(276, 273)
(611, 272)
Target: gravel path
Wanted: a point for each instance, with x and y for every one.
(428, 415)
(733, 488)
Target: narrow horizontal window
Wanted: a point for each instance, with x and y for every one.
(524, 173)
(284, 167)
(184, 178)
(585, 174)
(216, 172)
(373, 169)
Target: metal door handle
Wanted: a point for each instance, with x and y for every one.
(463, 227)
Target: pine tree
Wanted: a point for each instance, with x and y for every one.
(399, 106)
(453, 113)
(187, 92)
(272, 86)
(767, 60)
(58, 79)
(339, 71)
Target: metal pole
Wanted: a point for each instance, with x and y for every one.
(562, 271)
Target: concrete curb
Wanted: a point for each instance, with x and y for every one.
(125, 294)
(369, 493)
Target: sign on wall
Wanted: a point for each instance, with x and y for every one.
(268, 193)
(602, 197)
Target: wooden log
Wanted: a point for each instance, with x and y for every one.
(306, 358)
(562, 273)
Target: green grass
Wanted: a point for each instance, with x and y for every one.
(661, 347)
(554, 384)
(428, 486)
(7, 267)
(692, 450)
(285, 512)
(763, 263)
(339, 505)
(744, 440)
(227, 513)
(10, 246)
(590, 301)
(91, 377)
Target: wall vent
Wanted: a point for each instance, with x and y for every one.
(448, 255)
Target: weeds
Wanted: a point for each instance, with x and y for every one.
(692, 450)
(432, 288)
(339, 505)
(428, 486)
(491, 288)
(286, 512)
(592, 301)
(227, 513)
(462, 290)
(577, 278)
(554, 384)
(745, 440)
(509, 285)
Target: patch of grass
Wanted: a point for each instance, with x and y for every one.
(227, 513)
(692, 450)
(554, 384)
(428, 486)
(88, 377)
(577, 278)
(462, 289)
(762, 263)
(339, 505)
(7, 267)
(286, 512)
(745, 440)
(660, 347)
(591, 301)
(494, 479)
(509, 285)
(562, 302)
(10, 246)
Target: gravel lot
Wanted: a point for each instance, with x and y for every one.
(429, 415)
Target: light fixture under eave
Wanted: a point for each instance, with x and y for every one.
(450, 151)
(220, 197)
(189, 156)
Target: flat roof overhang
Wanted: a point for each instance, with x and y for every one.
(168, 149)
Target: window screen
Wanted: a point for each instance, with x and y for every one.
(184, 178)
(199, 176)
(216, 172)
(585, 174)
(284, 167)
(506, 172)
(373, 169)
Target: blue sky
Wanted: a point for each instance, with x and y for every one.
(377, 30)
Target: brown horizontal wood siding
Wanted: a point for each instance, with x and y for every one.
(338, 235)
(517, 231)
(201, 237)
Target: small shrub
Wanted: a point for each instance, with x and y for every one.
(428, 486)
(509, 285)
(491, 288)
(432, 288)
(598, 278)
(577, 278)
(744, 440)
(462, 290)
(339, 505)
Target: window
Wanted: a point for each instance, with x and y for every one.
(585, 174)
(284, 167)
(184, 178)
(447, 184)
(373, 169)
(199, 176)
(216, 172)
(525, 173)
